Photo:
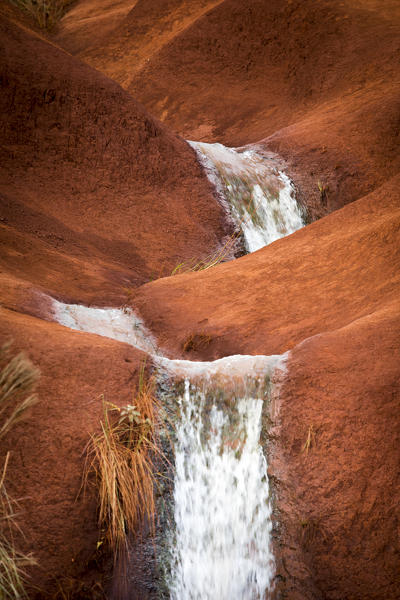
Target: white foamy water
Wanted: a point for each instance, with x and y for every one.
(221, 545)
(116, 323)
(261, 198)
(236, 366)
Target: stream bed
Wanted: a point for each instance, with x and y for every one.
(215, 542)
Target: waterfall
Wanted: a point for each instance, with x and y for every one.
(258, 195)
(221, 541)
(219, 544)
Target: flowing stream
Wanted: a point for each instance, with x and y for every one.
(219, 541)
(259, 196)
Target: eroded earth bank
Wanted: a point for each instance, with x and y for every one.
(102, 200)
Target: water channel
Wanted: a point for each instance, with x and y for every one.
(219, 540)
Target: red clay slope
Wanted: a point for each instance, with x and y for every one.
(87, 19)
(130, 32)
(330, 293)
(268, 62)
(320, 278)
(338, 502)
(320, 80)
(324, 74)
(96, 196)
(47, 448)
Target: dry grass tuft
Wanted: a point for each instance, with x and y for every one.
(122, 458)
(310, 440)
(70, 588)
(196, 341)
(220, 255)
(46, 13)
(18, 378)
(323, 192)
(12, 562)
(314, 529)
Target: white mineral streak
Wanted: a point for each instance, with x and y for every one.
(261, 198)
(116, 323)
(221, 547)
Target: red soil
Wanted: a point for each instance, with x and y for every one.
(85, 18)
(338, 503)
(47, 448)
(98, 197)
(320, 278)
(320, 77)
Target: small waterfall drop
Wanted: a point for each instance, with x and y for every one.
(259, 196)
(221, 544)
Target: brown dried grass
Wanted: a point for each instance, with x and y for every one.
(122, 458)
(18, 378)
(46, 13)
(310, 440)
(220, 255)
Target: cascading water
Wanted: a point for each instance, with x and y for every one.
(223, 519)
(260, 197)
(221, 544)
(219, 547)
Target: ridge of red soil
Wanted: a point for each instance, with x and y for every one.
(320, 278)
(337, 503)
(321, 78)
(96, 195)
(270, 62)
(45, 472)
(83, 19)
(130, 32)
